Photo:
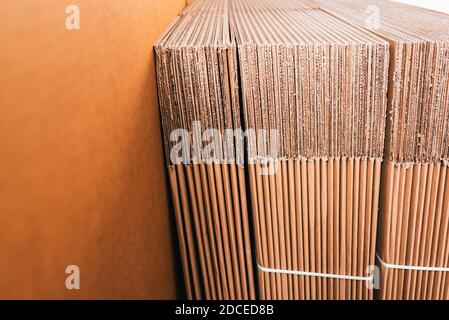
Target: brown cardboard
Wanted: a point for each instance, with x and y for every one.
(413, 181)
(291, 62)
(181, 232)
(419, 237)
(83, 180)
(197, 84)
(307, 287)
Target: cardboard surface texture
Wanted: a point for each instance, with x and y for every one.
(414, 205)
(82, 175)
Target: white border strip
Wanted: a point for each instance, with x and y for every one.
(404, 267)
(314, 274)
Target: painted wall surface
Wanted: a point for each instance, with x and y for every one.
(82, 174)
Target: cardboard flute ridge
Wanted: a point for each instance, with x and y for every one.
(413, 230)
(316, 80)
(321, 83)
(198, 90)
(316, 216)
(418, 108)
(213, 228)
(414, 203)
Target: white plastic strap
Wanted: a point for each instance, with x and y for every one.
(404, 267)
(315, 274)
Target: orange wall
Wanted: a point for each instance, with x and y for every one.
(82, 177)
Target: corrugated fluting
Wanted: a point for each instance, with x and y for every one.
(321, 83)
(291, 127)
(414, 199)
(197, 84)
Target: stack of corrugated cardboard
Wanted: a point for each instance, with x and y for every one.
(415, 195)
(199, 102)
(321, 84)
(280, 108)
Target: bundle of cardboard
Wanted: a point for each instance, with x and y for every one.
(199, 102)
(277, 115)
(321, 84)
(413, 230)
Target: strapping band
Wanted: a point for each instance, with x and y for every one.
(314, 274)
(404, 267)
